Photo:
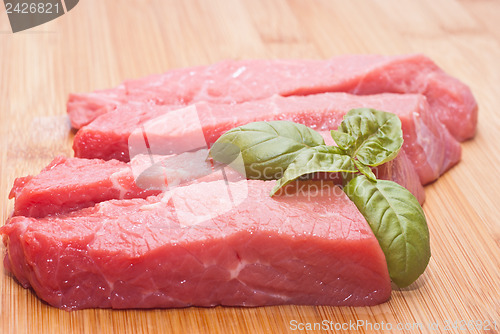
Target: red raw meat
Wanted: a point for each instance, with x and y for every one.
(401, 171)
(69, 184)
(83, 108)
(239, 81)
(308, 247)
(428, 144)
(107, 137)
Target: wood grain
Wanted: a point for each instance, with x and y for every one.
(100, 43)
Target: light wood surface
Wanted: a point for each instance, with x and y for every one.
(100, 43)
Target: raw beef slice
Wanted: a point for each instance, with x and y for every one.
(427, 143)
(313, 247)
(56, 189)
(239, 81)
(69, 184)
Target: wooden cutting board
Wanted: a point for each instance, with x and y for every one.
(100, 43)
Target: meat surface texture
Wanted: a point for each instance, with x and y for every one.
(232, 82)
(401, 171)
(69, 184)
(427, 143)
(306, 246)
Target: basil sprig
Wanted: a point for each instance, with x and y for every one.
(267, 148)
(366, 138)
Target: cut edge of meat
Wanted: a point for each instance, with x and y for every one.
(69, 184)
(84, 108)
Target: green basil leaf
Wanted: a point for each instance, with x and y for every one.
(313, 160)
(365, 170)
(343, 140)
(267, 148)
(371, 136)
(398, 222)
